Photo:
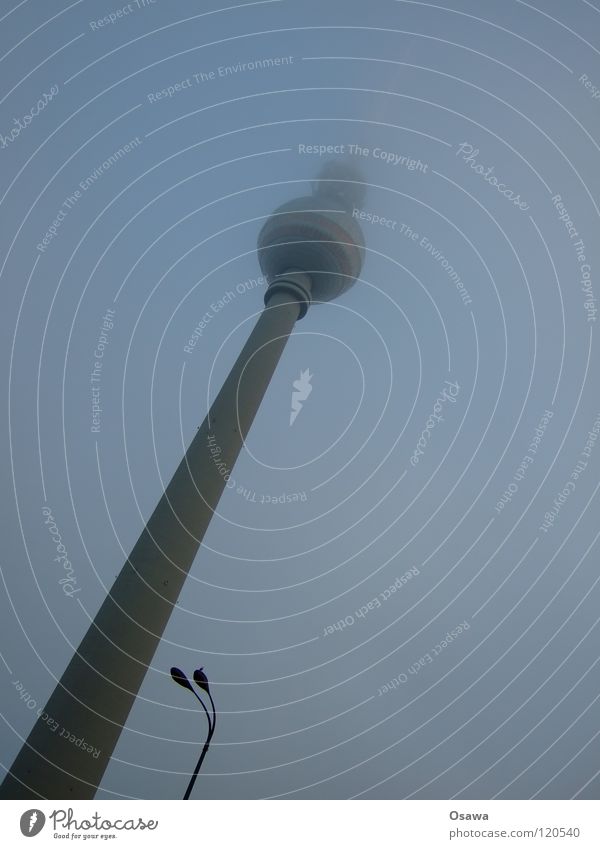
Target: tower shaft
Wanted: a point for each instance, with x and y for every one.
(93, 698)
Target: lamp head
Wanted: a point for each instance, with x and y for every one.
(317, 234)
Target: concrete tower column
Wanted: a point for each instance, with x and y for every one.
(96, 692)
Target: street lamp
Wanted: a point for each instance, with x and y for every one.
(201, 681)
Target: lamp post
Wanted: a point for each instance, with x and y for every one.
(201, 682)
(311, 250)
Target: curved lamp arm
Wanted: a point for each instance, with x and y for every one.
(200, 679)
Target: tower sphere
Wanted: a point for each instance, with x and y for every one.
(317, 235)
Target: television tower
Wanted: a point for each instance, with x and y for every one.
(311, 250)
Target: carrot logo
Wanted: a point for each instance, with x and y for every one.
(32, 822)
(303, 390)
